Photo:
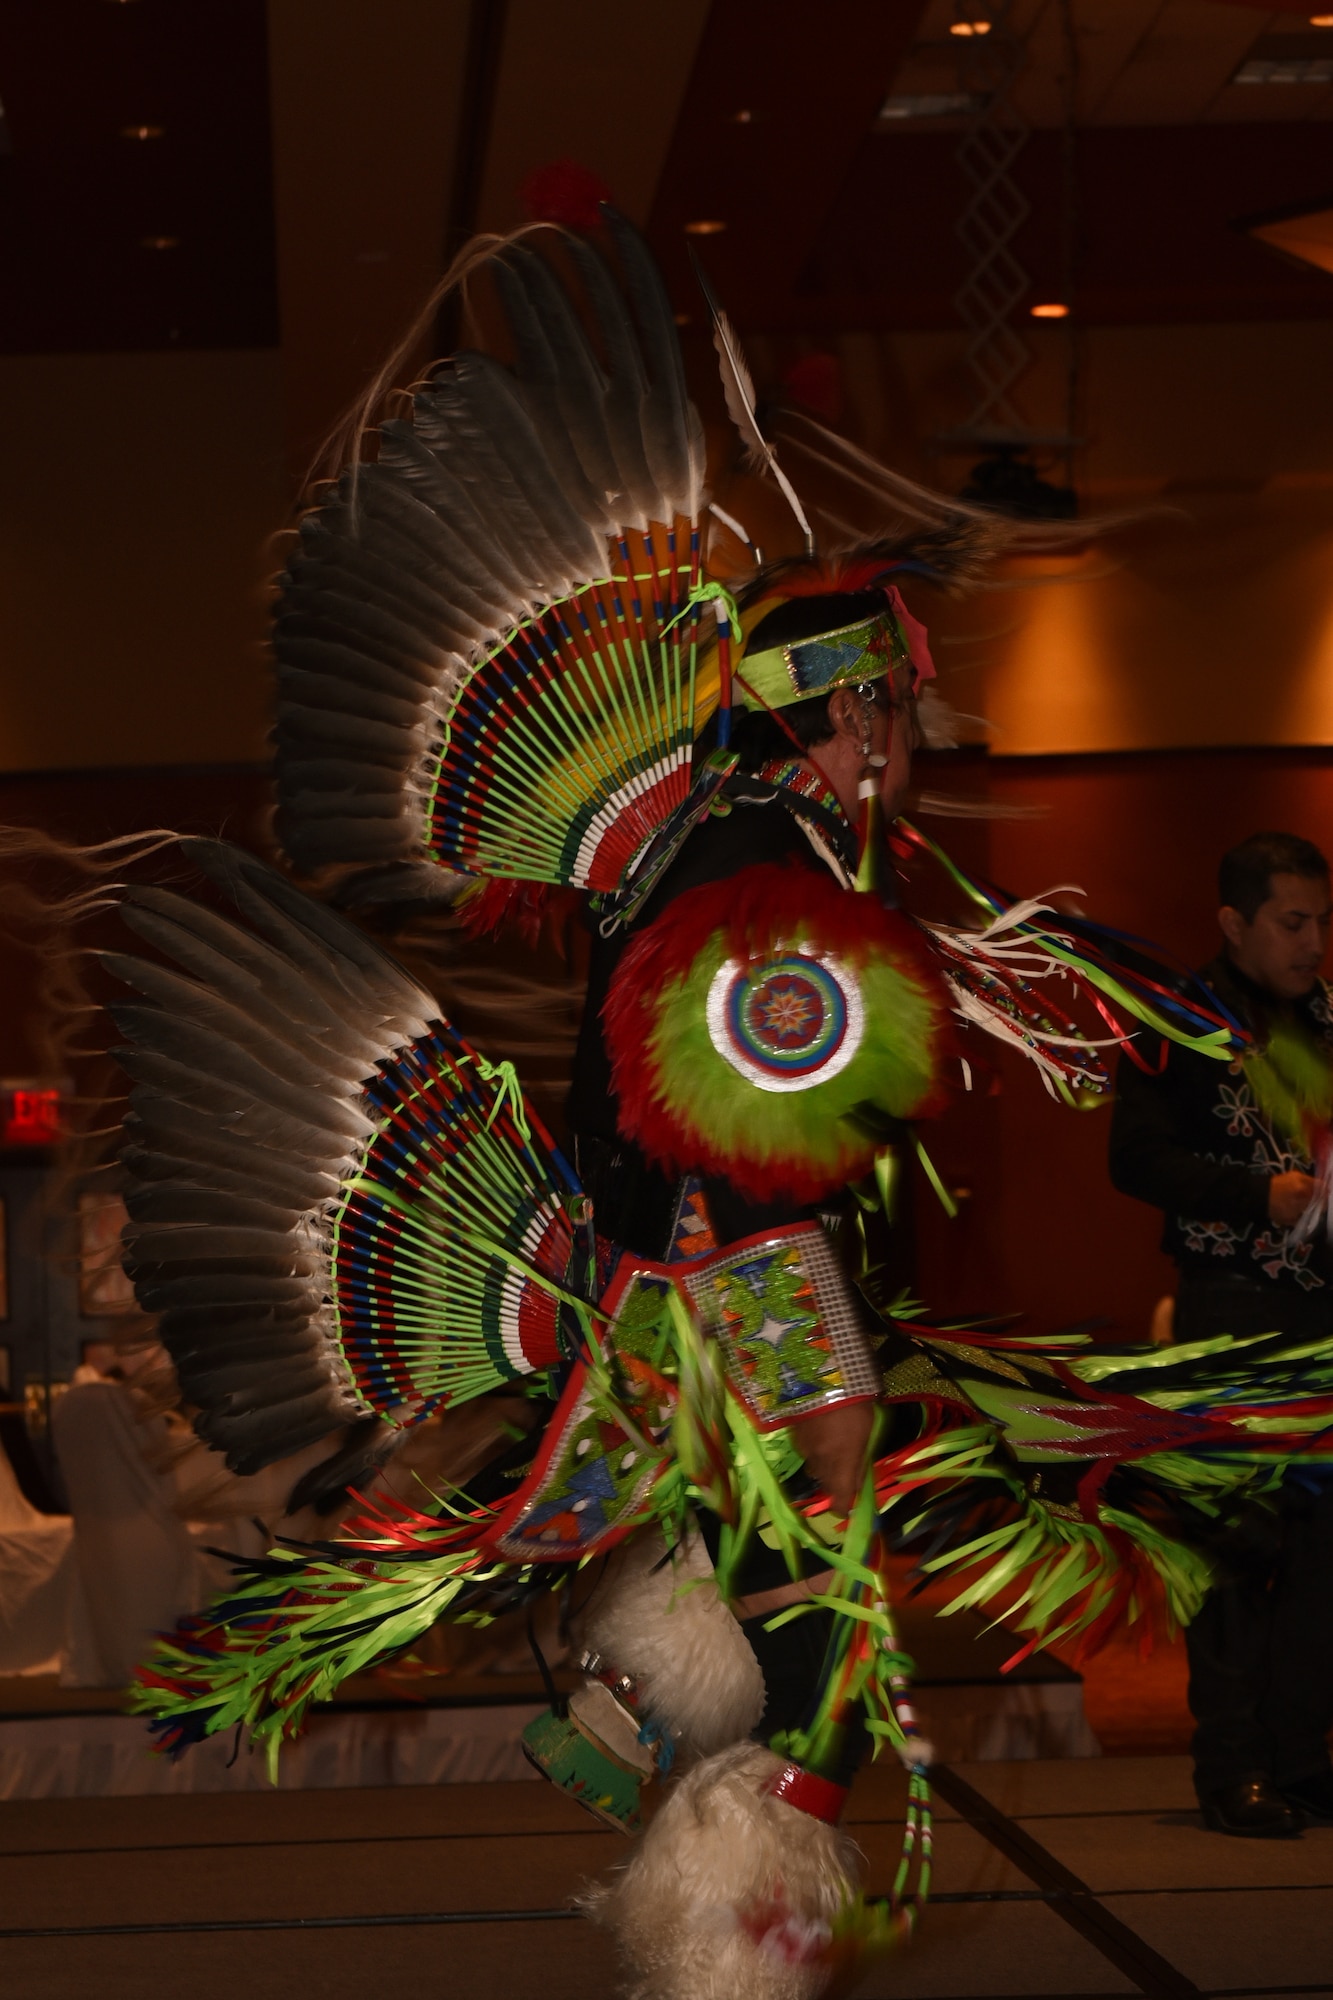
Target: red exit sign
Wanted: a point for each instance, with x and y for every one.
(30, 1113)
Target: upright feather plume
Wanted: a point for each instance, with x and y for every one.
(738, 388)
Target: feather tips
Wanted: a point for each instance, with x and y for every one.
(249, 1057)
(495, 500)
(738, 390)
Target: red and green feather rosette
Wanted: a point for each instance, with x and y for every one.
(762, 1027)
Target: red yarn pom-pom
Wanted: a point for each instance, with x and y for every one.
(815, 382)
(566, 192)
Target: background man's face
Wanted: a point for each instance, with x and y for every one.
(1284, 947)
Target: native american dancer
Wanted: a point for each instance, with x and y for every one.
(506, 670)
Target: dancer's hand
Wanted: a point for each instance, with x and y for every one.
(834, 1444)
(1289, 1195)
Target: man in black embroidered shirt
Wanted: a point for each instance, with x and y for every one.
(1193, 1142)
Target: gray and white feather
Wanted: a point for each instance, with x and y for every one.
(496, 496)
(248, 1054)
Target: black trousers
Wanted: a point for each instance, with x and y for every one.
(790, 1659)
(1261, 1649)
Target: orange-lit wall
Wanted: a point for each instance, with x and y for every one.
(1211, 628)
(1211, 621)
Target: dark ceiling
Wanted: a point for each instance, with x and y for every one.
(833, 223)
(109, 242)
(1155, 209)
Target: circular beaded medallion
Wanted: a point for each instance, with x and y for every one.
(786, 1022)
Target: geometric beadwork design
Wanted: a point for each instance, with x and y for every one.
(788, 1022)
(692, 1231)
(570, 746)
(591, 1478)
(780, 1307)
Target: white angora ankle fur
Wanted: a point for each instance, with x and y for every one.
(731, 1891)
(694, 1666)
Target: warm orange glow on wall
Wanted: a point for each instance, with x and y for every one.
(1308, 236)
(1211, 627)
(1304, 585)
(1051, 310)
(1055, 680)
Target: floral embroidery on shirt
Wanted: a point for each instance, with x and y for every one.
(1237, 1106)
(1217, 1237)
(1272, 1248)
(1278, 1253)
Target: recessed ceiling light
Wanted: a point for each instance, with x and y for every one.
(707, 228)
(141, 131)
(1052, 309)
(159, 242)
(969, 27)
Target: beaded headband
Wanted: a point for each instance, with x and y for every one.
(846, 656)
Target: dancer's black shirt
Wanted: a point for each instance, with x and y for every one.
(635, 1201)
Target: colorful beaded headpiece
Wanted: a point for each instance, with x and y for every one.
(812, 644)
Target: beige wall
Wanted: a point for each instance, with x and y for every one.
(600, 82)
(365, 105)
(137, 495)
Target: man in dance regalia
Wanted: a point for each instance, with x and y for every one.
(505, 670)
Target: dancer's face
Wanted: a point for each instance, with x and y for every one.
(868, 725)
(1284, 946)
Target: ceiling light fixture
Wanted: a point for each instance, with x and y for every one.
(1321, 20)
(705, 228)
(1286, 69)
(927, 104)
(969, 27)
(742, 118)
(141, 131)
(159, 242)
(1052, 309)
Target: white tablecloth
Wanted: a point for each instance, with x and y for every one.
(36, 1579)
